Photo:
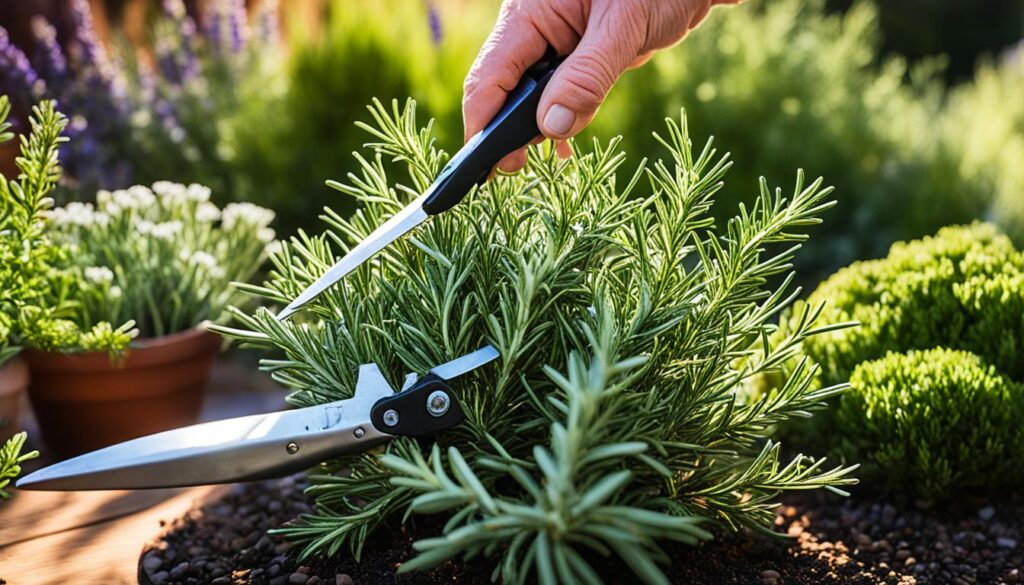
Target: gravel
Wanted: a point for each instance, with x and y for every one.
(826, 540)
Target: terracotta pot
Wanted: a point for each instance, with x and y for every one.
(8, 152)
(84, 402)
(13, 380)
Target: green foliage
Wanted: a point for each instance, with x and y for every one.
(162, 257)
(960, 289)
(38, 290)
(988, 117)
(786, 84)
(11, 460)
(953, 28)
(931, 422)
(284, 145)
(642, 437)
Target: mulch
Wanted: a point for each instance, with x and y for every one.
(822, 539)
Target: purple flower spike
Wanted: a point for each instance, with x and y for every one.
(18, 79)
(436, 29)
(86, 44)
(226, 25)
(267, 25)
(49, 58)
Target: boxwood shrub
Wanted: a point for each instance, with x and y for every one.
(935, 366)
(961, 289)
(931, 422)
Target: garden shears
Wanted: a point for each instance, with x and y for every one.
(272, 445)
(513, 127)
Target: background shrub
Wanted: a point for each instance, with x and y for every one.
(935, 365)
(932, 422)
(961, 289)
(786, 84)
(386, 49)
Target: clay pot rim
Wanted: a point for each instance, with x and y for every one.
(141, 353)
(13, 376)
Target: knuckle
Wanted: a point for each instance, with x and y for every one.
(591, 76)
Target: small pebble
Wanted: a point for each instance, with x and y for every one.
(343, 579)
(179, 570)
(151, 563)
(298, 579)
(987, 513)
(160, 578)
(1006, 542)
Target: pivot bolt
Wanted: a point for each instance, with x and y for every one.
(391, 417)
(438, 402)
(292, 448)
(359, 432)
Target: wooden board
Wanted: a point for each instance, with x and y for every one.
(95, 538)
(40, 550)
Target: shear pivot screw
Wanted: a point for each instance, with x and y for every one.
(438, 402)
(391, 418)
(359, 432)
(292, 448)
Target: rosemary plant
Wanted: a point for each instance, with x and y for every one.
(625, 325)
(11, 459)
(36, 293)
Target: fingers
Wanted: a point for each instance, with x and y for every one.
(512, 47)
(583, 80)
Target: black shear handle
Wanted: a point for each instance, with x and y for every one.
(512, 128)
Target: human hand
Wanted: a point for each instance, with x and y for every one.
(603, 38)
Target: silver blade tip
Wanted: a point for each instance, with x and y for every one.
(292, 308)
(41, 479)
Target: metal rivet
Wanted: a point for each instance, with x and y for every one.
(292, 448)
(391, 418)
(359, 432)
(438, 402)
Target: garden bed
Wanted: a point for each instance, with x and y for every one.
(833, 540)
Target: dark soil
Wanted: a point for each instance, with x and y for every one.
(823, 539)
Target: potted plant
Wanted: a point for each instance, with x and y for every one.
(27, 256)
(626, 325)
(160, 258)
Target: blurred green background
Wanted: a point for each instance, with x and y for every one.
(913, 110)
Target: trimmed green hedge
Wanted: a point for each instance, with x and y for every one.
(934, 365)
(962, 289)
(929, 423)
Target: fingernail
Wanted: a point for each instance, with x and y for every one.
(559, 120)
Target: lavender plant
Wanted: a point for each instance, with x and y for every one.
(625, 323)
(136, 121)
(161, 256)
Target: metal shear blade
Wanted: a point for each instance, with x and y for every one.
(259, 446)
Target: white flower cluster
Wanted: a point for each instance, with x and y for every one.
(77, 213)
(247, 214)
(99, 274)
(134, 197)
(178, 193)
(162, 231)
(203, 260)
(207, 212)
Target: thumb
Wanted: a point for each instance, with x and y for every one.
(581, 83)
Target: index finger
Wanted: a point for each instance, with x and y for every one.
(512, 47)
